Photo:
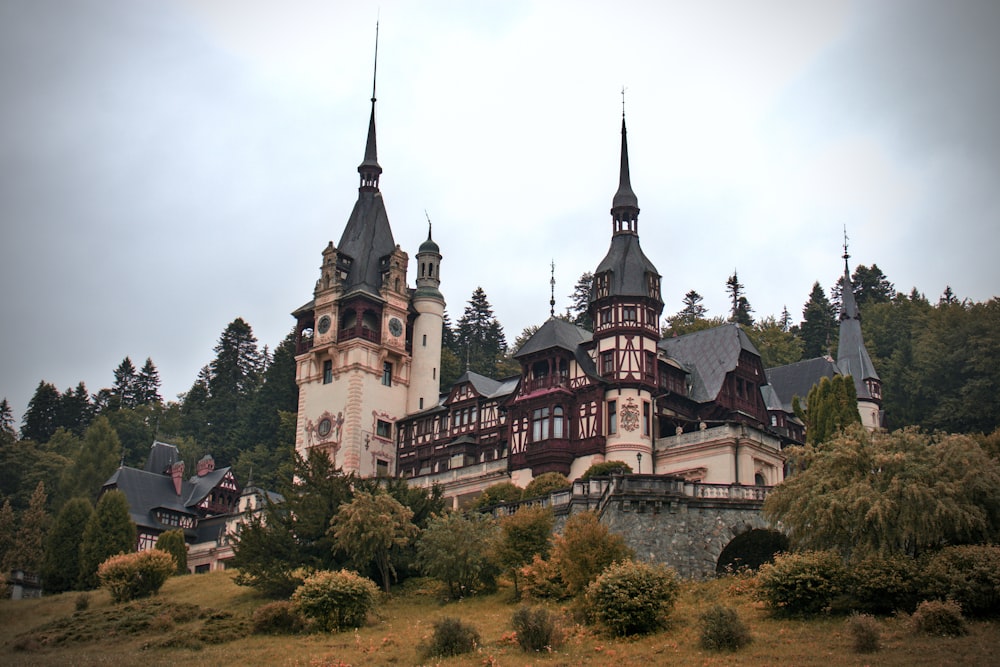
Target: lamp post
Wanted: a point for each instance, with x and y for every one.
(638, 458)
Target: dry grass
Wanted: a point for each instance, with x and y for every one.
(195, 617)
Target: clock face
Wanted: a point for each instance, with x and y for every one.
(395, 327)
(324, 324)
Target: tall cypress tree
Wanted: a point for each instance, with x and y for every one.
(109, 531)
(96, 461)
(61, 565)
(29, 540)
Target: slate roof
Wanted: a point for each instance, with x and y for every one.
(555, 333)
(483, 385)
(708, 355)
(162, 455)
(147, 491)
(798, 378)
(852, 356)
(367, 238)
(628, 266)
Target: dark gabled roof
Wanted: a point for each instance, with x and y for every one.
(483, 385)
(708, 356)
(145, 492)
(507, 387)
(798, 378)
(555, 333)
(196, 488)
(367, 239)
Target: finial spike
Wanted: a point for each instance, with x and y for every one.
(430, 227)
(846, 255)
(552, 284)
(375, 66)
(623, 102)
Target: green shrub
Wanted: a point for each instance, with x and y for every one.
(336, 600)
(883, 584)
(277, 618)
(865, 633)
(633, 597)
(135, 575)
(939, 618)
(606, 468)
(722, 629)
(536, 629)
(540, 579)
(970, 575)
(584, 549)
(802, 583)
(545, 484)
(82, 602)
(173, 542)
(501, 492)
(450, 637)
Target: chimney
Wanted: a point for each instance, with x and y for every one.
(177, 474)
(205, 465)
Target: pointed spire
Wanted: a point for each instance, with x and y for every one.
(369, 168)
(848, 306)
(625, 205)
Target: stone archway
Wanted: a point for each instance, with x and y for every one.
(751, 549)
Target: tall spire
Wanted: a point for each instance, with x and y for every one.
(625, 206)
(848, 307)
(370, 169)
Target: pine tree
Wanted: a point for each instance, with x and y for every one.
(41, 419)
(777, 346)
(740, 310)
(7, 432)
(75, 409)
(579, 311)
(109, 531)
(818, 324)
(871, 286)
(786, 319)
(147, 385)
(124, 389)
(29, 541)
(234, 380)
(61, 565)
(480, 336)
(947, 297)
(693, 309)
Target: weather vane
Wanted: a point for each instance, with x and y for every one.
(552, 283)
(846, 256)
(623, 100)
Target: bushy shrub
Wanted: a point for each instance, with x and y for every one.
(722, 629)
(540, 580)
(135, 575)
(970, 575)
(460, 551)
(545, 484)
(883, 584)
(633, 597)
(606, 468)
(501, 492)
(801, 583)
(277, 618)
(942, 618)
(865, 633)
(450, 637)
(584, 549)
(536, 629)
(82, 602)
(336, 600)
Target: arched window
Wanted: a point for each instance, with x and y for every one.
(558, 422)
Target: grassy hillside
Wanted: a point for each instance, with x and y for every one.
(204, 619)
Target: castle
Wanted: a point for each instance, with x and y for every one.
(700, 407)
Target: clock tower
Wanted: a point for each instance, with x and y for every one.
(355, 362)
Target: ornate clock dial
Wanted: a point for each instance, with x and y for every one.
(395, 327)
(324, 324)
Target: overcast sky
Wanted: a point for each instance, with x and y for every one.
(166, 167)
